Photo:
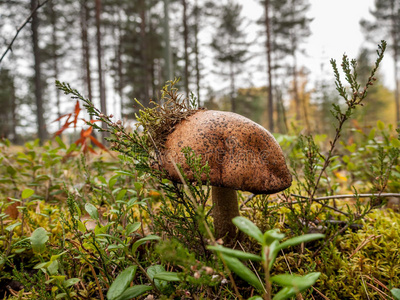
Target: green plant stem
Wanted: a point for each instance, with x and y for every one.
(267, 294)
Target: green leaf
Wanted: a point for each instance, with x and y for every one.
(121, 283)
(144, 240)
(236, 253)
(60, 296)
(249, 228)
(70, 282)
(380, 125)
(38, 240)
(121, 194)
(298, 282)
(13, 226)
(134, 291)
(26, 193)
(272, 235)
(395, 143)
(132, 228)
(285, 293)
(167, 276)
(71, 148)
(300, 239)
(154, 270)
(60, 142)
(293, 284)
(53, 267)
(138, 185)
(255, 298)
(242, 271)
(395, 293)
(92, 211)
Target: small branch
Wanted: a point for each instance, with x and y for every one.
(396, 195)
(9, 48)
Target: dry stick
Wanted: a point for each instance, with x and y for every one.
(366, 241)
(97, 281)
(9, 48)
(378, 290)
(350, 196)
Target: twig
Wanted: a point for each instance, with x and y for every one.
(249, 198)
(366, 241)
(322, 295)
(9, 48)
(97, 281)
(397, 195)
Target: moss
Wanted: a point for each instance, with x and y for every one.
(160, 120)
(356, 263)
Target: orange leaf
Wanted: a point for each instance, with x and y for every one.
(91, 150)
(65, 126)
(97, 143)
(76, 112)
(86, 133)
(80, 141)
(60, 117)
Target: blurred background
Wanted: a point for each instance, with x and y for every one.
(265, 59)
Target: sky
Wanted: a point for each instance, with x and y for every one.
(335, 30)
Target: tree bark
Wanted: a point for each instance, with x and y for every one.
(168, 53)
(53, 20)
(143, 51)
(185, 40)
(394, 20)
(41, 126)
(270, 107)
(85, 48)
(196, 51)
(103, 105)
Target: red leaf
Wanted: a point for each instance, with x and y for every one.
(97, 143)
(76, 112)
(86, 133)
(80, 141)
(60, 117)
(65, 126)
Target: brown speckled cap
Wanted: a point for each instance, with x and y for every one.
(241, 154)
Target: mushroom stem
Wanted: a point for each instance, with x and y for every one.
(225, 208)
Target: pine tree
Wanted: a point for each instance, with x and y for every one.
(286, 27)
(42, 131)
(230, 46)
(387, 24)
(8, 104)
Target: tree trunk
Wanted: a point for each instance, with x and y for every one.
(295, 89)
(185, 40)
(394, 20)
(143, 53)
(53, 19)
(85, 49)
(270, 107)
(233, 87)
(103, 105)
(120, 84)
(41, 126)
(196, 51)
(168, 53)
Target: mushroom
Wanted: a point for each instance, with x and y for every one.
(242, 155)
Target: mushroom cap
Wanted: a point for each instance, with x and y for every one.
(241, 154)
